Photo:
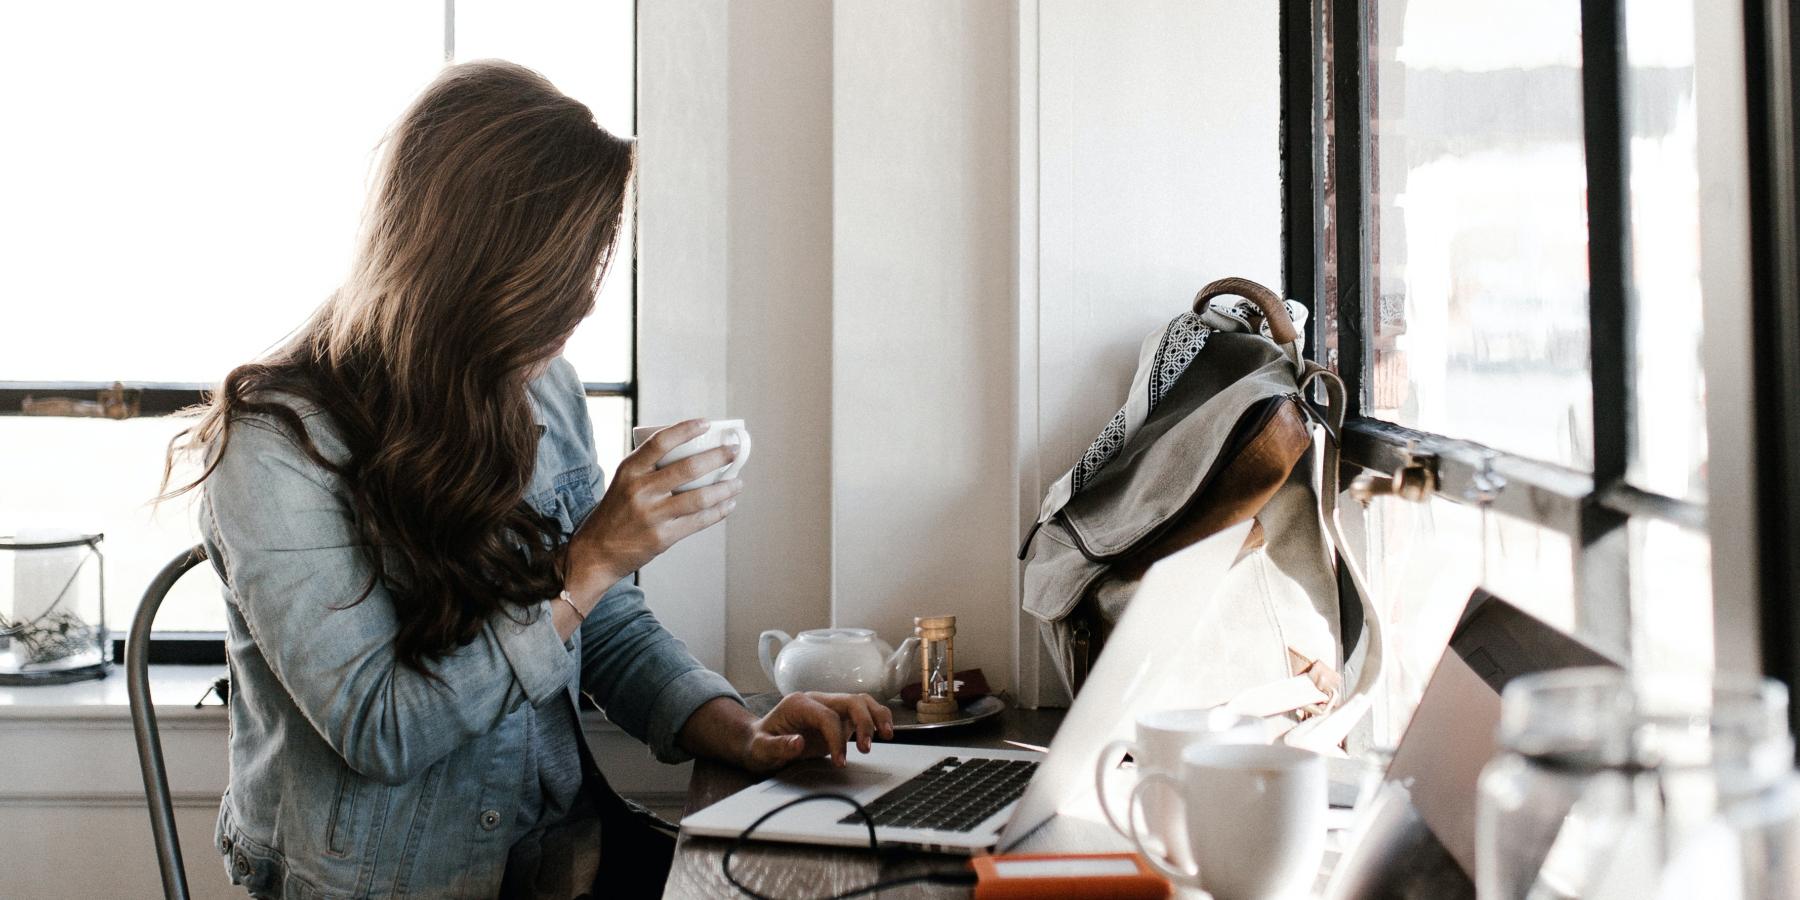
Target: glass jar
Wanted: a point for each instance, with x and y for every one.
(1767, 832)
(1610, 784)
(52, 608)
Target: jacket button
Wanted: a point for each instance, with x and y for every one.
(490, 819)
(240, 864)
(225, 844)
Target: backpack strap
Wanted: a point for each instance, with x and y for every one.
(1366, 659)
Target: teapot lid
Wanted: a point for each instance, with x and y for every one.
(837, 634)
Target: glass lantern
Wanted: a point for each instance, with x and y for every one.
(52, 608)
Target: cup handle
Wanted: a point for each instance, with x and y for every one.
(1179, 876)
(1109, 760)
(743, 453)
(777, 640)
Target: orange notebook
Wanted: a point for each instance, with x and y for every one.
(1079, 876)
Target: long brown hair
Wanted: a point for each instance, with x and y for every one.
(495, 214)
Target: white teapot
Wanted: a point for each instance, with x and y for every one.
(845, 660)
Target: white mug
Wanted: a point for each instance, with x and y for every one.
(718, 433)
(1161, 736)
(1254, 817)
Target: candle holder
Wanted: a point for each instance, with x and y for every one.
(53, 630)
(937, 668)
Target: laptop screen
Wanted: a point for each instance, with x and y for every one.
(1144, 651)
(1452, 734)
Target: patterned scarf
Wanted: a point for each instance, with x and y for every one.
(1162, 359)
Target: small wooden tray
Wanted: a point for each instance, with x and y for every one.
(906, 718)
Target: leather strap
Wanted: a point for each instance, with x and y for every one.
(1370, 648)
(1281, 325)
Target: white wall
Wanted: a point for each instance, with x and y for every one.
(923, 322)
(779, 252)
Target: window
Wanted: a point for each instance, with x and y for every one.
(192, 192)
(1502, 229)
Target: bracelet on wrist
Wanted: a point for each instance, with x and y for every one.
(563, 595)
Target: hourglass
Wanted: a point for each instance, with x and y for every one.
(937, 689)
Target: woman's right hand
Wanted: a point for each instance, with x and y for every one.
(641, 515)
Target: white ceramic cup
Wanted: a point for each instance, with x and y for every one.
(719, 433)
(1161, 736)
(1254, 817)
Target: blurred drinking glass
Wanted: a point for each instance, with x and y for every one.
(1614, 784)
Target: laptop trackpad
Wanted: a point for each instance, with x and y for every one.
(810, 778)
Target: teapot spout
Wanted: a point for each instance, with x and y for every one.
(902, 666)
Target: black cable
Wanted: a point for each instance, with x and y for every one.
(961, 876)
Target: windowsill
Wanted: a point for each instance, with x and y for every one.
(173, 688)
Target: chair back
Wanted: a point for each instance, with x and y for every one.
(143, 724)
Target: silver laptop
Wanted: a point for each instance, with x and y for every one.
(965, 800)
(1417, 838)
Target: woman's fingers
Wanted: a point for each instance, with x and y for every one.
(687, 503)
(643, 460)
(640, 516)
(821, 722)
(666, 479)
(863, 723)
(868, 716)
(769, 752)
(884, 717)
(681, 528)
(814, 724)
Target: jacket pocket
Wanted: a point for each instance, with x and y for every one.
(256, 868)
(339, 831)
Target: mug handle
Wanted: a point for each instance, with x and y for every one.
(1109, 760)
(743, 455)
(1179, 876)
(776, 638)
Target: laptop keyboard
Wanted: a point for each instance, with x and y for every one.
(953, 795)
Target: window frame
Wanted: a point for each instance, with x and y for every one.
(1772, 68)
(147, 399)
(1594, 509)
(153, 399)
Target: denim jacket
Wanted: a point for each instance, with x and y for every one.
(353, 775)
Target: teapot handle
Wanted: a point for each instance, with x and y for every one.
(776, 638)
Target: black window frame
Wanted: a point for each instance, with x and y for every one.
(1772, 69)
(147, 399)
(1594, 509)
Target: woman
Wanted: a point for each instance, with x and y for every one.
(421, 567)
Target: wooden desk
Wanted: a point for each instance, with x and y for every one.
(791, 870)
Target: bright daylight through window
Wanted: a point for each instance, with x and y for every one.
(1477, 327)
(169, 262)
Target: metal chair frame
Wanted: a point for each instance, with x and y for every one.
(143, 724)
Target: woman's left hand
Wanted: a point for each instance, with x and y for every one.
(811, 724)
